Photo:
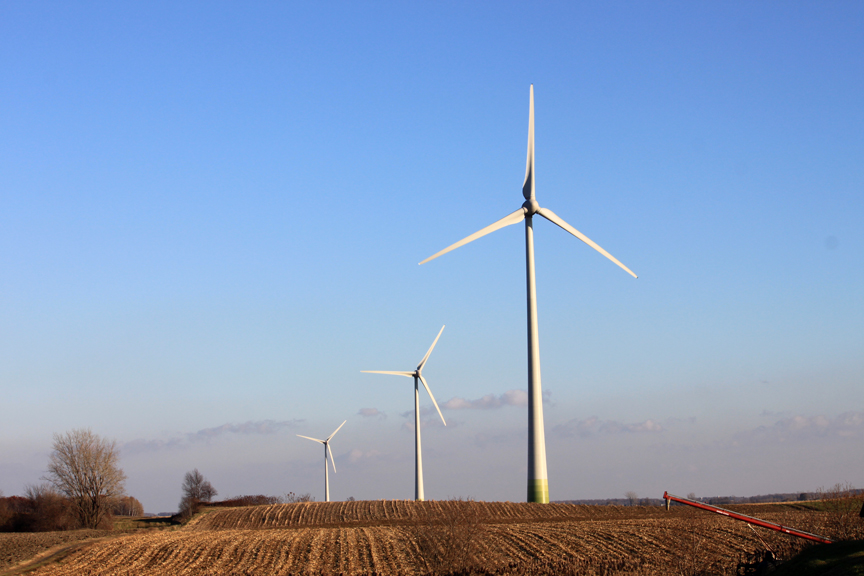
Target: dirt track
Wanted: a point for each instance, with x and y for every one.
(19, 547)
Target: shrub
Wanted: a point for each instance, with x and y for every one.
(247, 500)
(42, 509)
(291, 498)
(5, 512)
(448, 534)
(842, 505)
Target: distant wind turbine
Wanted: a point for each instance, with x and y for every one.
(418, 376)
(326, 443)
(538, 481)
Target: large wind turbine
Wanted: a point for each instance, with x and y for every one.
(326, 443)
(538, 482)
(417, 374)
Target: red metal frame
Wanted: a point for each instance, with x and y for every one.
(744, 518)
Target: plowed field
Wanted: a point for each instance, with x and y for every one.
(404, 537)
(403, 512)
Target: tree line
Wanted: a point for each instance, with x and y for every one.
(84, 487)
(199, 493)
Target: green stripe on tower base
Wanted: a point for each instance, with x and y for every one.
(538, 491)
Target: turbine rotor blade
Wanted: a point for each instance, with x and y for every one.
(308, 438)
(512, 218)
(528, 185)
(337, 429)
(329, 451)
(555, 219)
(428, 352)
(408, 374)
(425, 385)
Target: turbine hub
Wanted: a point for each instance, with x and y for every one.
(531, 206)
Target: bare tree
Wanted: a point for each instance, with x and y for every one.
(291, 498)
(127, 506)
(196, 489)
(84, 468)
(632, 498)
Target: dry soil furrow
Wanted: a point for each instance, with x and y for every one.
(279, 540)
(303, 548)
(601, 541)
(381, 553)
(652, 539)
(550, 539)
(331, 558)
(315, 550)
(339, 514)
(538, 538)
(361, 556)
(520, 548)
(505, 548)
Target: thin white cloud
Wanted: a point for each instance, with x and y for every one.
(800, 427)
(356, 455)
(593, 426)
(257, 427)
(513, 436)
(489, 401)
(206, 434)
(431, 422)
(372, 413)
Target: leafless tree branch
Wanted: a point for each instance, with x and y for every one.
(84, 468)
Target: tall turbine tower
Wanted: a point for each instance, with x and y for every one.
(417, 374)
(538, 482)
(326, 443)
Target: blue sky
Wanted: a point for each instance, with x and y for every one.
(211, 216)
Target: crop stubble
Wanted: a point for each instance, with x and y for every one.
(380, 537)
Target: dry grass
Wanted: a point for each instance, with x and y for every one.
(132, 523)
(404, 537)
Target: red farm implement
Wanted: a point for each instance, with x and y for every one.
(749, 519)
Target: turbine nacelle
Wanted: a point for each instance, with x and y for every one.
(417, 374)
(326, 443)
(531, 207)
(538, 485)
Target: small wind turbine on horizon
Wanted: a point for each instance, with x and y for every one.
(417, 374)
(326, 443)
(538, 481)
